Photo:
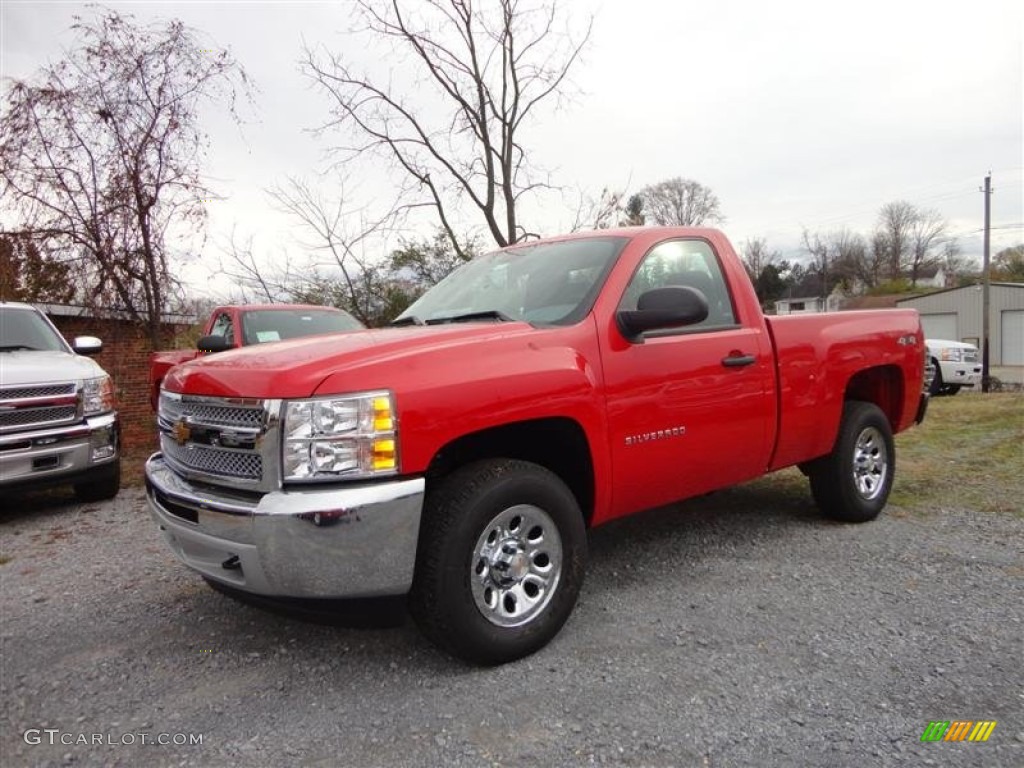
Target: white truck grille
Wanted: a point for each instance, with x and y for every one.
(44, 405)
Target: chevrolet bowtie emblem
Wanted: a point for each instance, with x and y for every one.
(181, 432)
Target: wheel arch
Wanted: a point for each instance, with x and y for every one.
(883, 386)
(559, 444)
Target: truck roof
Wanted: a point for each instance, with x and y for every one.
(265, 307)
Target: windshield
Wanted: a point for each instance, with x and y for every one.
(26, 329)
(262, 325)
(547, 284)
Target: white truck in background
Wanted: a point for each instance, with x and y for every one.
(58, 423)
(957, 364)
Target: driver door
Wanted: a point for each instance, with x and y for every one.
(689, 409)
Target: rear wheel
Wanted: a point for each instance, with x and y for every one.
(853, 482)
(500, 561)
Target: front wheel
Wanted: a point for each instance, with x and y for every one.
(853, 482)
(500, 561)
(936, 386)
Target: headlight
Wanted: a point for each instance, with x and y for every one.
(98, 395)
(340, 437)
(952, 354)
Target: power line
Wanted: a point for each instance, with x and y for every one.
(819, 223)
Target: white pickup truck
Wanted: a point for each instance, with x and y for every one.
(957, 364)
(57, 419)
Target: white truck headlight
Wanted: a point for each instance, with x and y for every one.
(952, 354)
(340, 437)
(97, 395)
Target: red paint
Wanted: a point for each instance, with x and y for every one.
(664, 418)
(161, 362)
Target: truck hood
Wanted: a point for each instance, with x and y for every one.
(22, 367)
(295, 369)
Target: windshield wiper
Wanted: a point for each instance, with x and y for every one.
(16, 347)
(486, 314)
(407, 320)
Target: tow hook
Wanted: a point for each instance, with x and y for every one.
(231, 564)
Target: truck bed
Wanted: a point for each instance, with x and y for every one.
(817, 357)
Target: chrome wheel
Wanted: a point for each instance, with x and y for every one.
(516, 566)
(870, 463)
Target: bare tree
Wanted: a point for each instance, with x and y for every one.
(601, 212)
(756, 256)
(100, 154)
(817, 246)
(343, 246)
(896, 222)
(681, 202)
(250, 277)
(850, 263)
(877, 259)
(840, 257)
(455, 135)
(926, 233)
(958, 268)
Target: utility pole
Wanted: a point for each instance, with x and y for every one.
(985, 284)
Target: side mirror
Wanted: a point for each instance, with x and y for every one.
(87, 345)
(668, 307)
(213, 344)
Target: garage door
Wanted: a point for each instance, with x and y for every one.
(1012, 331)
(940, 326)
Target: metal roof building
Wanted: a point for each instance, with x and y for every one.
(956, 314)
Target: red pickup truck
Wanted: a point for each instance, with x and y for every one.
(539, 390)
(238, 325)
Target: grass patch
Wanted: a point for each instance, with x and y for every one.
(968, 453)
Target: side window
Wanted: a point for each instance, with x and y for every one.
(689, 263)
(222, 326)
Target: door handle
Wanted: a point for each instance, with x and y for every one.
(738, 361)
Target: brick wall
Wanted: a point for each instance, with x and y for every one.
(125, 357)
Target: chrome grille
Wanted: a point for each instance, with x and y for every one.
(970, 355)
(42, 390)
(222, 462)
(224, 441)
(173, 409)
(41, 417)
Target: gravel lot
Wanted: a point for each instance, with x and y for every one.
(735, 630)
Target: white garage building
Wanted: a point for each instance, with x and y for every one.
(956, 314)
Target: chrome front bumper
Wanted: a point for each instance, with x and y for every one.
(59, 454)
(338, 541)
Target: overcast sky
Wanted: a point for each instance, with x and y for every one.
(797, 114)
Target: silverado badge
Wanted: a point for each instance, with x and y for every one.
(180, 432)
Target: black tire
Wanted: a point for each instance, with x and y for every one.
(500, 561)
(852, 483)
(936, 387)
(104, 487)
